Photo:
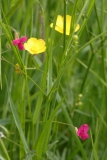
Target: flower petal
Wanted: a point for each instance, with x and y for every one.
(77, 28)
(35, 46)
(60, 24)
(16, 41)
(27, 47)
(82, 129)
(68, 24)
(59, 21)
(41, 50)
(23, 39)
(84, 135)
(32, 41)
(21, 46)
(57, 28)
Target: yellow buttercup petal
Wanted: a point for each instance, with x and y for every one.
(40, 50)
(35, 46)
(77, 28)
(57, 28)
(60, 24)
(59, 21)
(32, 41)
(68, 24)
(28, 48)
(40, 44)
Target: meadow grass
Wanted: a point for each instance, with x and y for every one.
(44, 96)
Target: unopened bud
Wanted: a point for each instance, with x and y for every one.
(80, 95)
(75, 42)
(79, 103)
(16, 35)
(76, 129)
(75, 37)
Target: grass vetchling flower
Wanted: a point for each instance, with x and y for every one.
(82, 131)
(19, 42)
(60, 24)
(35, 46)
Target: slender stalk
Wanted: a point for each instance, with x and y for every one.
(4, 149)
(0, 51)
(102, 44)
(64, 29)
(89, 65)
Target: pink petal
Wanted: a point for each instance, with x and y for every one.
(83, 127)
(21, 46)
(16, 41)
(23, 39)
(84, 136)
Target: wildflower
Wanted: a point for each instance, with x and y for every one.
(19, 42)
(35, 46)
(82, 131)
(60, 24)
(17, 69)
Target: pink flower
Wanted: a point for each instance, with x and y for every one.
(82, 131)
(19, 42)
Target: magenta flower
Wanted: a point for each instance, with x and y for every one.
(82, 131)
(19, 42)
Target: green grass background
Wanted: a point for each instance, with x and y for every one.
(39, 109)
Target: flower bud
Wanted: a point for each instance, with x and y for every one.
(80, 95)
(16, 35)
(76, 129)
(75, 37)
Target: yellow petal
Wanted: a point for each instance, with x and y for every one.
(32, 41)
(40, 50)
(59, 21)
(60, 24)
(35, 46)
(26, 46)
(68, 19)
(51, 25)
(40, 43)
(57, 28)
(68, 24)
(77, 28)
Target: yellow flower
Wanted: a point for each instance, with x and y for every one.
(35, 46)
(60, 24)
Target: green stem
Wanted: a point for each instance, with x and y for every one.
(4, 149)
(89, 65)
(85, 77)
(102, 44)
(0, 52)
(64, 29)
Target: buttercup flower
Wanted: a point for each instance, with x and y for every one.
(35, 46)
(60, 24)
(82, 131)
(19, 42)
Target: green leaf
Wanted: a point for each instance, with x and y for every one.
(44, 137)
(17, 119)
(13, 9)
